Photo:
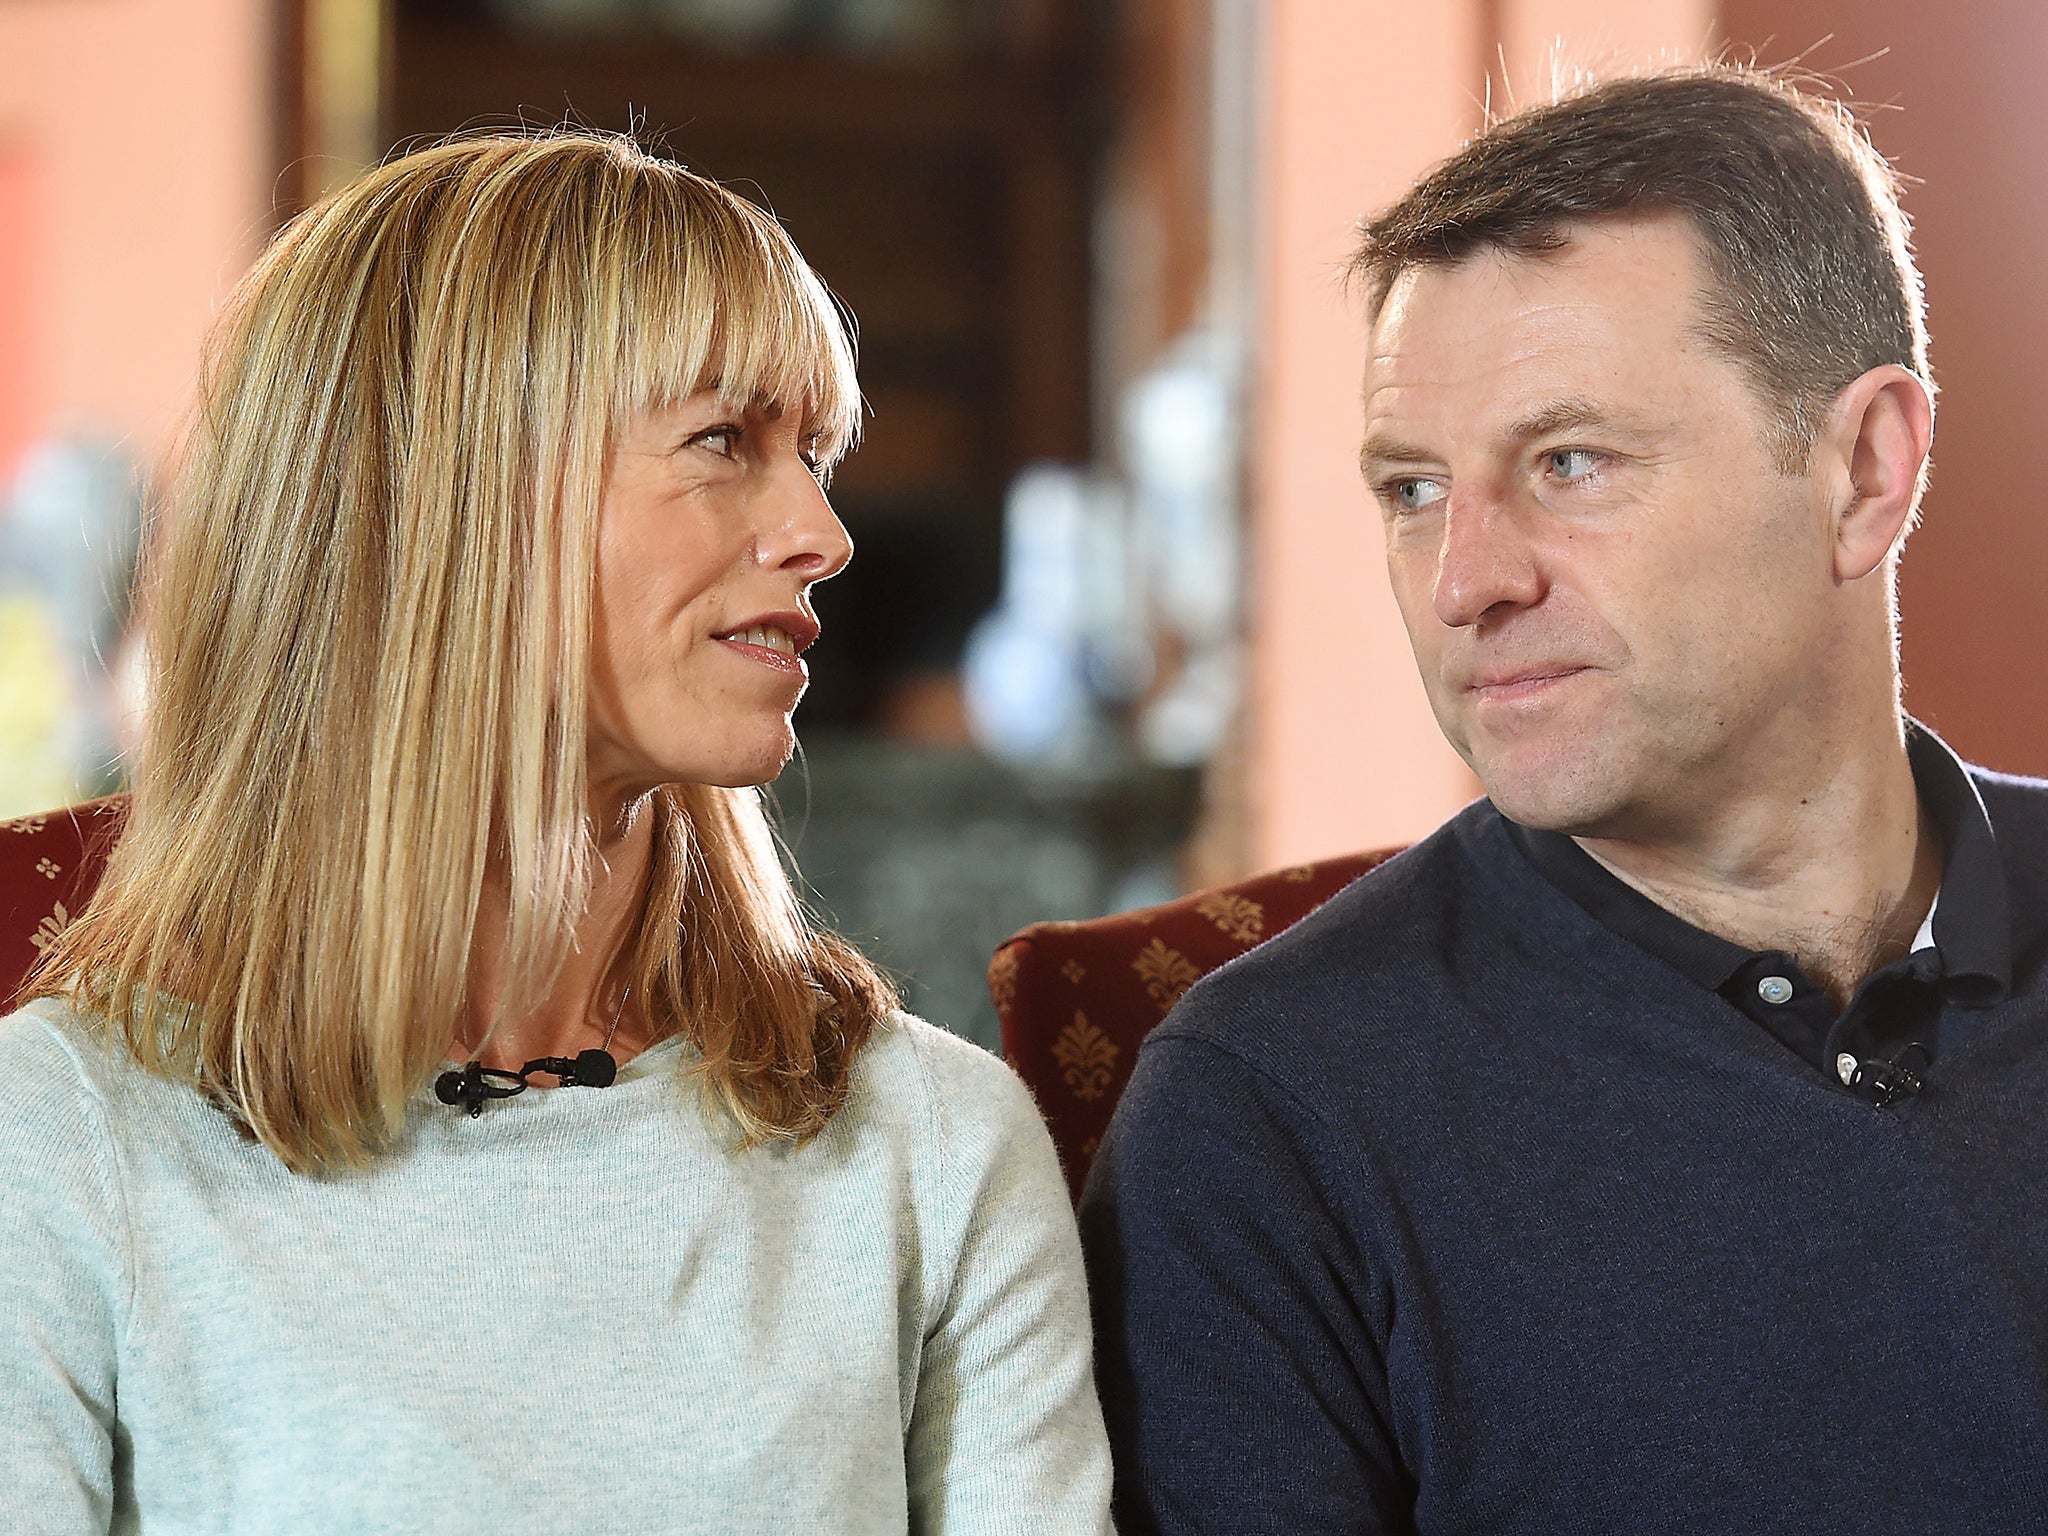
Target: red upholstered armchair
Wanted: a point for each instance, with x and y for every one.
(49, 866)
(1076, 999)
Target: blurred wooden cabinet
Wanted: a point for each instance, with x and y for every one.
(944, 194)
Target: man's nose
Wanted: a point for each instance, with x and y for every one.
(1485, 561)
(801, 532)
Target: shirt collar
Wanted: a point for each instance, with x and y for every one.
(1923, 937)
(1968, 925)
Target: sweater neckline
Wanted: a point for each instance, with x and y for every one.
(654, 1061)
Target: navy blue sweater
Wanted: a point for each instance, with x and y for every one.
(1450, 1209)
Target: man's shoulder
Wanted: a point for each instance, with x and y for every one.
(2017, 808)
(1378, 949)
(2017, 804)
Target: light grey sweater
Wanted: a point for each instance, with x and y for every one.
(577, 1313)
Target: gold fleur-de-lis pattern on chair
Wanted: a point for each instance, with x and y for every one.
(51, 926)
(1236, 917)
(1076, 1000)
(1087, 1055)
(49, 866)
(1166, 972)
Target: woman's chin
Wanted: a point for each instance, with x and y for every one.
(756, 763)
(733, 765)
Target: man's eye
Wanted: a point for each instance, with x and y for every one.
(1573, 463)
(1413, 495)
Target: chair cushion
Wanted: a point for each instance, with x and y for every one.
(50, 865)
(1076, 999)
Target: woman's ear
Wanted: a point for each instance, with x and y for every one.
(1875, 447)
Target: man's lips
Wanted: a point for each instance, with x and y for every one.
(1508, 686)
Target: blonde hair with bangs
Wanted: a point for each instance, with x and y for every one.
(369, 650)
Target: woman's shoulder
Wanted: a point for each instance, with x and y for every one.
(932, 1083)
(61, 1078)
(64, 1067)
(908, 1055)
(51, 1048)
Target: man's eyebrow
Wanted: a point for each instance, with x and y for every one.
(1378, 451)
(1570, 413)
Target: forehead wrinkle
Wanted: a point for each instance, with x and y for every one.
(1527, 360)
(1489, 357)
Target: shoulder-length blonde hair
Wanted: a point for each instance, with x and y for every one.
(369, 640)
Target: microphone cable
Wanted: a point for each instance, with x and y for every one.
(473, 1085)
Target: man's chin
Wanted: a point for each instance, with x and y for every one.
(1561, 793)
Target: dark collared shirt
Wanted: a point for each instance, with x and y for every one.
(1897, 1011)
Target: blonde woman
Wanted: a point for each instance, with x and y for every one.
(478, 614)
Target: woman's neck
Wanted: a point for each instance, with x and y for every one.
(580, 1010)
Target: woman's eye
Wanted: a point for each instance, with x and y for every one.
(1573, 463)
(1414, 495)
(722, 440)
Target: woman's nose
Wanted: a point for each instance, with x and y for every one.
(804, 535)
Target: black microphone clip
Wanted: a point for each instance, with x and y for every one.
(586, 1069)
(475, 1085)
(1887, 1079)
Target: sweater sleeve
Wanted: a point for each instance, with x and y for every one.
(63, 1289)
(1006, 1434)
(1240, 1328)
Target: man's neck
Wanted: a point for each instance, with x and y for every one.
(1839, 873)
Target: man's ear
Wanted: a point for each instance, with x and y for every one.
(1870, 455)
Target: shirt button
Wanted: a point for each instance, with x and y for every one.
(1845, 1069)
(1774, 990)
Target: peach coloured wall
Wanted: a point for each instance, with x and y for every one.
(1542, 40)
(146, 126)
(1361, 95)
(1963, 115)
(1344, 752)
(21, 372)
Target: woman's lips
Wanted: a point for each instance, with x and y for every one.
(789, 665)
(775, 640)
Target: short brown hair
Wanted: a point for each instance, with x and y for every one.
(1798, 217)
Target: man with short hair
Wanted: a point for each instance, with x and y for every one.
(1658, 1146)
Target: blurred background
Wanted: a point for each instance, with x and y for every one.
(1118, 626)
